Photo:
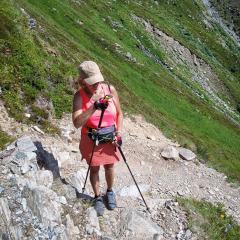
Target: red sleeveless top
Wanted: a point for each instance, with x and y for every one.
(110, 114)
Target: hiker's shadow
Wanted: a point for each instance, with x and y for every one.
(83, 196)
(47, 160)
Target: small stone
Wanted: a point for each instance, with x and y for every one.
(80, 23)
(32, 23)
(170, 152)
(19, 212)
(11, 147)
(180, 193)
(227, 228)
(27, 115)
(188, 234)
(1, 189)
(211, 192)
(186, 154)
(25, 168)
(142, 163)
(151, 138)
(5, 171)
(36, 128)
(62, 200)
(89, 229)
(24, 204)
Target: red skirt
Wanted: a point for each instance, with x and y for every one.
(104, 153)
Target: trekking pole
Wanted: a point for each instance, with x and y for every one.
(133, 177)
(107, 97)
(94, 145)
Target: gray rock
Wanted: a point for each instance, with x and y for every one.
(188, 234)
(89, 229)
(186, 154)
(15, 169)
(170, 152)
(62, 200)
(71, 230)
(132, 190)
(151, 137)
(24, 204)
(7, 230)
(180, 192)
(44, 177)
(130, 57)
(32, 23)
(11, 147)
(138, 226)
(25, 168)
(42, 202)
(92, 218)
(77, 179)
(195, 60)
(5, 212)
(1, 189)
(25, 144)
(19, 156)
(36, 128)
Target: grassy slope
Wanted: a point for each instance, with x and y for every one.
(146, 88)
(209, 221)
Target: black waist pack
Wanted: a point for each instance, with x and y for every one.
(102, 135)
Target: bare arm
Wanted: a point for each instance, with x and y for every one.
(80, 117)
(118, 108)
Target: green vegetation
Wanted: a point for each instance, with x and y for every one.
(4, 139)
(209, 221)
(27, 71)
(40, 61)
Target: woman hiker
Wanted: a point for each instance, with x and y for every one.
(87, 109)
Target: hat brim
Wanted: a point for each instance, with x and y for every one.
(94, 79)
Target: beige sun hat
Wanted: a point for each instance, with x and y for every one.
(92, 71)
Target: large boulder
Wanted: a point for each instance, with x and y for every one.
(186, 154)
(170, 152)
(135, 225)
(71, 231)
(6, 227)
(77, 180)
(42, 201)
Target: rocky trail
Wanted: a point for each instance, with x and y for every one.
(41, 179)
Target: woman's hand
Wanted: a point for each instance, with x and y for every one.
(97, 95)
(118, 139)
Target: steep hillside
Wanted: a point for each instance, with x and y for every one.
(229, 10)
(169, 60)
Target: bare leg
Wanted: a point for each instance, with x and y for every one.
(109, 175)
(94, 179)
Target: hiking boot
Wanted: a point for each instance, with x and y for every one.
(99, 206)
(111, 200)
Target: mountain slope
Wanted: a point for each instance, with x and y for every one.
(37, 62)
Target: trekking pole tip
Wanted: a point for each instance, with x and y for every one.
(148, 209)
